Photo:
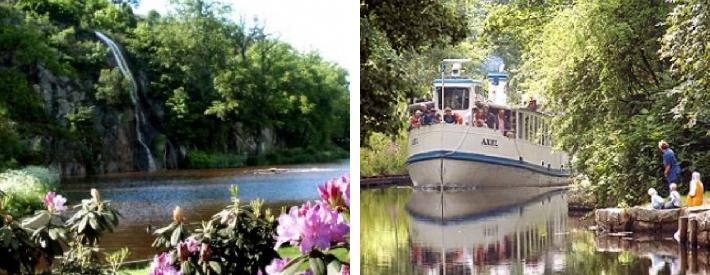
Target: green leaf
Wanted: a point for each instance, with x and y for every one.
(292, 267)
(317, 265)
(186, 268)
(216, 267)
(175, 238)
(334, 267)
(94, 223)
(82, 224)
(53, 234)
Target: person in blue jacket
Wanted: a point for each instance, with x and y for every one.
(671, 169)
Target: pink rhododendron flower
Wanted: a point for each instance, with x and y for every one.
(313, 225)
(193, 246)
(163, 265)
(345, 270)
(336, 192)
(187, 248)
(54, 202)
(276, 266)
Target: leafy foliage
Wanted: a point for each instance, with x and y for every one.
(206, 82)
(31, 245)
(603, 67)
(237, 240)
(25, 187)
(384, 155)
(93, 219)
(112, 87)
(394, 35)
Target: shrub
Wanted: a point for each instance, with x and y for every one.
(26, 187)
(202, 159)
(299, 155)
(237, 240)
(384, 156)
(32, 245)
(242, 239)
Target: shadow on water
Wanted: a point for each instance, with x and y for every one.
(500, 231)
(147, 199)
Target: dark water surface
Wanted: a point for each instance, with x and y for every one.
(147, 199)
(501, 231)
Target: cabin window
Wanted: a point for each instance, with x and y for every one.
(456, 98)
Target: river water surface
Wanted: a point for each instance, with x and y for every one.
(147, 199)
(502, 231)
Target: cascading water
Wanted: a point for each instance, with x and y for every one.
(135, 99)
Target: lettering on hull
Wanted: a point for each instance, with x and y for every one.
(489, 142)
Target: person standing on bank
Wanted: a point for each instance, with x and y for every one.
(671, 169)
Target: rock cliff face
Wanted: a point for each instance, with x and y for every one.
(107, 139)
(111, 145)
(64, 96)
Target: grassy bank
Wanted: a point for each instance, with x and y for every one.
(385, 155)
(197, 159)
(25, 188)
(299, 155)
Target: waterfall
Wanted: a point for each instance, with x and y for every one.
(135, 99)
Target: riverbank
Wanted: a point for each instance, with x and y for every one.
(198, 159)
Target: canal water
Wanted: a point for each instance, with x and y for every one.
(501, 231)
(147, 199)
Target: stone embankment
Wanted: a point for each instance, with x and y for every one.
(644, 220)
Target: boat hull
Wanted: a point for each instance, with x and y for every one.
(452, 156)
(453, 173)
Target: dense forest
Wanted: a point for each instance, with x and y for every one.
(618, 75)
(90, 87)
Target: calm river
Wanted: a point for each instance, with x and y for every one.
(147, 199)
(495, 231)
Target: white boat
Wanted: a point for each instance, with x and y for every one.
(463, 155)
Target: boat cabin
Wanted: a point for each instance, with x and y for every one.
(462, 94)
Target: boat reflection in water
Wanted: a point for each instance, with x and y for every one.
(496, 231)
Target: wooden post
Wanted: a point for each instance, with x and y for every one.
(683, 258)
(693, 234)
(694, 261)
(683, 230)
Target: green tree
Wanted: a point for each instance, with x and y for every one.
(597, 65)
(393, 36)
(112, 87)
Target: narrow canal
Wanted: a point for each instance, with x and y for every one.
(496, 231)
(147, 199)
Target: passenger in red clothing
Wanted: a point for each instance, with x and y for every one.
(451, 117)
(415, 121)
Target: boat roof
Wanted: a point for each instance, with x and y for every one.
(457, 81)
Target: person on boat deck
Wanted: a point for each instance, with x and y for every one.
(673, 198)
(501, 124)
(479, 119)
(437, 118)
(695, 195)
(451, 117)
(468, 118)
(415, 121)
(427, 117)
(532, 104)
(489, 117)
(671, 169)
(656, 200)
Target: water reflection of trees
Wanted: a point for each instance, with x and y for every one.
(394, 242)
(384, 231)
